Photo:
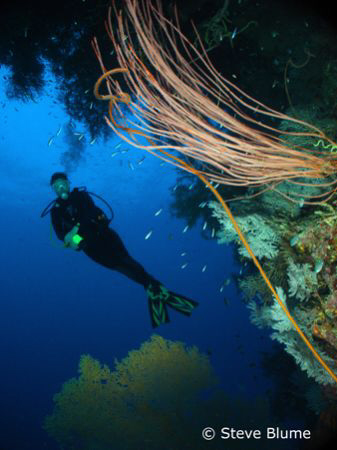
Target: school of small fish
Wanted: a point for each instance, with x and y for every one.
(148, 235)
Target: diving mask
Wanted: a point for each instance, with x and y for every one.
(61, 187)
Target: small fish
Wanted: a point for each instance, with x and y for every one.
(184, 265)
(117, 146)
(301, 202)
(81, 137)
(240, 273)
(213, 232)
(221, 288)
(114, 154)
(227, 282)
(294, 240)
(141, 161)
(205, 226)
(185, 229)
(77, 134)
(235, 32)
(148, 235)
(130, 165)
(93, 141)
(202, 204)
(162, 163)
(183, 254)
(59, 131)
(319, 265)
(190, 187)
(86, 91)
(91, 105)
(158, 212)
(175, 187)
(216, 185)
(50, 141)
(204, 268)
(124, 151)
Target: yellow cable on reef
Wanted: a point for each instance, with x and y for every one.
(125, 98)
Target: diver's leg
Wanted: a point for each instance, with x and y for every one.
(110, 252)
(133, 270)
(158, 296)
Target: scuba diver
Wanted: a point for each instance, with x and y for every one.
(83, 226)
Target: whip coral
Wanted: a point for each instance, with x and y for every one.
(179, 96)
(180, 102)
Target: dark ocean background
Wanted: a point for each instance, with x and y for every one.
(56, 304)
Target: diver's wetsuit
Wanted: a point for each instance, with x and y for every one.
(100, 243)
(105, 247)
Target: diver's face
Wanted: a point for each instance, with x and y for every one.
(61, 188)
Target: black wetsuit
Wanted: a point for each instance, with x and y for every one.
(100, 243)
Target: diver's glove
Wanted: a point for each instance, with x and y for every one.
(73, 239)
(159, 298)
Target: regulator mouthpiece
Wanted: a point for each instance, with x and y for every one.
(61, 187)
(64, 195)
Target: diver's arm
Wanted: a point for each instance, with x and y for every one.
(72, 239)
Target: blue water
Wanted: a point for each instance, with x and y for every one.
(57, 304)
